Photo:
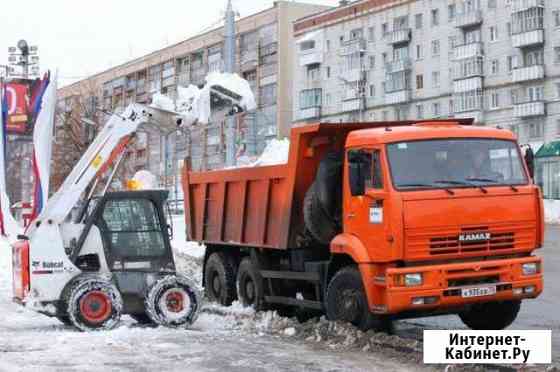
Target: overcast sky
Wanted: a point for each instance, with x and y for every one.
(84, 37)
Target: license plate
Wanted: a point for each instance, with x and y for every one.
(478, 291)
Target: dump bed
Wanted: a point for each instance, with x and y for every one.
(262, 206)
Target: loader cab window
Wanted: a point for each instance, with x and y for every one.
(132, 229)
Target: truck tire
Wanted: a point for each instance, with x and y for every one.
(64, 319)
(346, 301)
(491, 316)
(250, 289)
(93, 303)
(173, 301)
(219, 278)
(321, 227)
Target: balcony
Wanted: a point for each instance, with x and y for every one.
(398, 65)
(350, 76)
(467, 50)
(309, 113)
(353, 46)
(529, 109)
(529, 73)
(467, 85)
(248, 60)
(521, 5)
(528, 38)
(310, 57)
(468, 19)
(467, 68)
(398, 36)
(399, 96)
(354, 104)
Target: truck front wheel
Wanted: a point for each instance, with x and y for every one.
(346, 301)
(219, 278)
(491, 315)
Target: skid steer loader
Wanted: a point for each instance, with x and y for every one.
(115, 258)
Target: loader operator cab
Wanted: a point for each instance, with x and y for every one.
(134, 233)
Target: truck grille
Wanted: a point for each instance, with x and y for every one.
(453, 245)
(423, 243)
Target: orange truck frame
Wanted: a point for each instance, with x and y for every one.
(350, 226)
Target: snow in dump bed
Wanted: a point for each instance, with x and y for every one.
(275, 152)
(552, 211)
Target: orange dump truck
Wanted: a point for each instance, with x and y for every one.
(376, 221)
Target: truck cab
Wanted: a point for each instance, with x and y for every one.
(440, 216)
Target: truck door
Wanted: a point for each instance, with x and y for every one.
(365, 210)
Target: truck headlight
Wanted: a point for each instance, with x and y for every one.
(413, 280)
(531, 268)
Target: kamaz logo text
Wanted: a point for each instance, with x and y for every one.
(475, 237)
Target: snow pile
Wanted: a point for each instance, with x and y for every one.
(275, 152)
(162, 102)
(145, 180)
(552, 211)
(194, 103)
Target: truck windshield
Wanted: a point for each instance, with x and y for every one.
(448, 163)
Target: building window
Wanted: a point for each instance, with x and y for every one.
(536, 130)
(534, 58)
(328, 72)
(435, 47)
(436, 79)
(310, 98)
(371, 62)
(557, 88)
(557, 127)
(491, 4)
(556, 54)
(508, 27)
(510, 63)
(420, 81)
(452, 11)
(328, 45)
(371, 33)
(418, 18)
(328, 99)
(384, 56)
(372, 90)
(314, 72)
(436, 109)
(468, 101)
(513, 96)
(451, 107)
(418, 51)
(556, 16)
(419, 111)
(535, 94)
(494, 100)
(495, 66)
(385, 29)
(435, 17)
(528, 20)
(267, 95)
(493, 33)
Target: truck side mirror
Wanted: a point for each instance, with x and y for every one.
(530, 161)
(356, 172)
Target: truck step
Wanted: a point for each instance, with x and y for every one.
(294, 302)
(291, 275)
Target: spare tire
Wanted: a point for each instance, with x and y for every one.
(322, 206)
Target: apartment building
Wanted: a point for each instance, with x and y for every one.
(497, 61)
(264, 57)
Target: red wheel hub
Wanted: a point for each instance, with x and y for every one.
(174, 302)
(96, 307)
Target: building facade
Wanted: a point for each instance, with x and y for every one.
(264, 58)
(497, 61)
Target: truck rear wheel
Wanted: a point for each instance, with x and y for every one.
(219, 278)
(93, 304)
(346, 301)
(173, 301)
(250, 289)
(491, 316)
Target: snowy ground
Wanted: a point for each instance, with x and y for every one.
(233, 339)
